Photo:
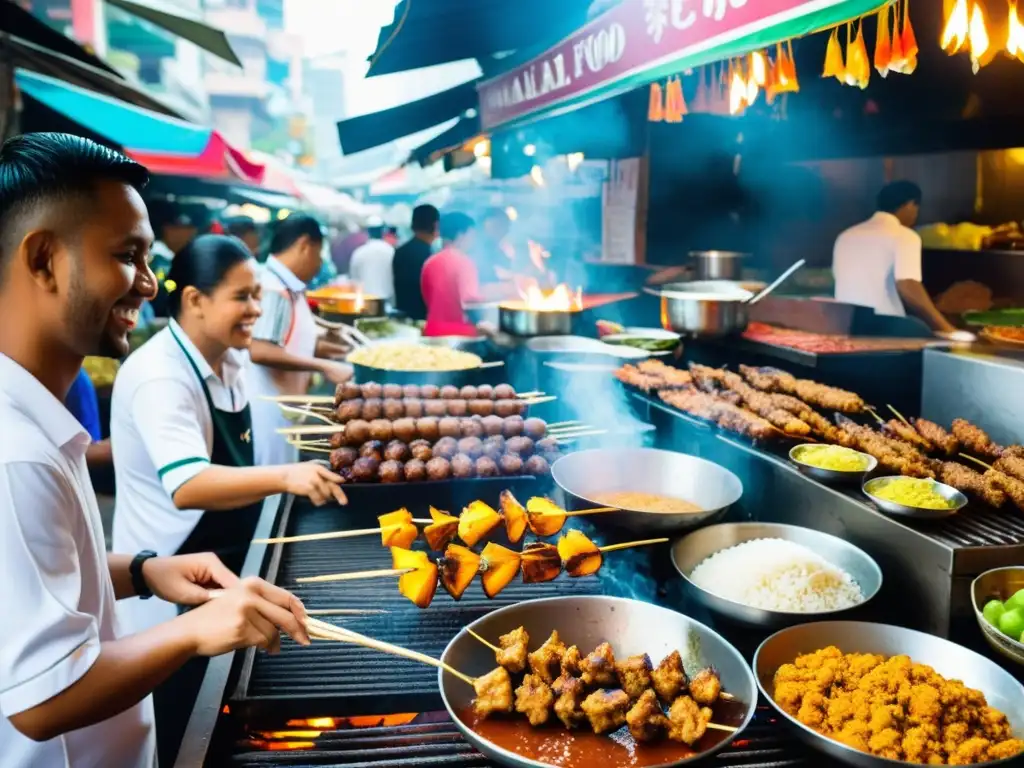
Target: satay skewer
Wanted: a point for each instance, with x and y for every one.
(899, 416)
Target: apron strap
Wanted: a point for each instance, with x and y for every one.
(240, 460)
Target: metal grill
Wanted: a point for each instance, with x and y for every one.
(979, 526)
(350, 679)
(428, 745)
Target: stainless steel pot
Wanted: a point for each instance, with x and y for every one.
(518, 321)
(717, 265)
(703, 307)
(630, 626)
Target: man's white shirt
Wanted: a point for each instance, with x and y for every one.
(870, 258)
(55, 583)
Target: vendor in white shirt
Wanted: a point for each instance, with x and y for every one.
(183, 444)
(372, 266)
(877, 263)
(287, 347)
(74, 688)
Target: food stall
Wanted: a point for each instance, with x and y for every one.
(340, 702)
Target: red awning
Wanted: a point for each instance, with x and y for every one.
(219, 161)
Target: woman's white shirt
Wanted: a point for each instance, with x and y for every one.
(54, 583)
(161, 433)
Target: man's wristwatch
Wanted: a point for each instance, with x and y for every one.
(139, 584)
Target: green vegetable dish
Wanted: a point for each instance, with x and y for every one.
(1011, 317)
(1007, 616)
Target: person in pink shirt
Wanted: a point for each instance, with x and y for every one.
(450, 280)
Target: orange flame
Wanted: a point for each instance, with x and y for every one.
(561, 298)
(1015, 35)
(954, 34)
(979, 40)
(737, 93)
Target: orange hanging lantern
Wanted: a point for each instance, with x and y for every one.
(737, 90)
(834, 66)
(883, 43)
(904, 42)
(656, 108)
(858, 65)
(702, 98)
(675, 105)
(758, 68)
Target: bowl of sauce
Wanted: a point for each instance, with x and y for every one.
(654, 491)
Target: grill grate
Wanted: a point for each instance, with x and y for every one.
(763, 745)
(335, 676)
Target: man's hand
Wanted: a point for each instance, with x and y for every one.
(187, 579)
(253, 612)
(313, 480)
(335, 372)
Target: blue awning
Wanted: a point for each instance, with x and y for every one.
(129, 126)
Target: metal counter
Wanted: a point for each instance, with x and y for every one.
(927, 568)
(976, 385)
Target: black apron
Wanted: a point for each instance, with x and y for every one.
(228, 533)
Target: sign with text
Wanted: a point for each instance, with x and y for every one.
(641, 36)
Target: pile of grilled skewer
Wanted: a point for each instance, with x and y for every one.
(597, 690)
(765, 403)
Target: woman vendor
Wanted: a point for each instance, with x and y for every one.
(183, 447)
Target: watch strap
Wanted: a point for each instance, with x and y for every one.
(142, 589)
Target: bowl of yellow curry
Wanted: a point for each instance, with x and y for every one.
(914, 497)
(832, 463)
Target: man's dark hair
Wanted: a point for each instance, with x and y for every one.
(239, 226)
(894, 196)
(288, 231)
(455, 225)
(425, 219)
(37, 168)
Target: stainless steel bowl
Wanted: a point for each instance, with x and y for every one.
(711, 487)
(830, 475)
(948, 659)
(717, 265)
(998, 584)
(704, 308)
(630, 626)
(520, 321)
(920, 513)
(691, 551)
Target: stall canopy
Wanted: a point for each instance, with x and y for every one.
(640, 41)
(434, 32)
(456, 136)
(377, 128)
(178, 23)
(163, 144)
(28, 43)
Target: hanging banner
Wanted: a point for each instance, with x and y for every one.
(639, 41)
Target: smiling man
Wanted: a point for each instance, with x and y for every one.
(74, 246)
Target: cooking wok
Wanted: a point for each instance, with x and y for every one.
(631, 626)
(710, 486)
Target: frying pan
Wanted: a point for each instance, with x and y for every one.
(631, 626)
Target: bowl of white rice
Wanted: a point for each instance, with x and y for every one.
(774, 575)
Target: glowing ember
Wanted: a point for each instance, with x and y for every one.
(323, 723)
(289, 735)
(283, 746)
(954, 34)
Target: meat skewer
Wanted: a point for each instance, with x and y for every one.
(726, 415)
(975, 440)
(713, 379)
(820, 395)
(1012, 486)
(398, 408)
(358, 431)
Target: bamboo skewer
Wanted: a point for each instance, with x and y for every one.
(878, 418)
(354, 575)
(628, 544)
(569, 423)
(900, 416)
(332, 632)
(304, 412)
(562, 440)
(539, 400)
(300, 399)
(332, 534)
(976, 461)
(489, 644)
(344, 612)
